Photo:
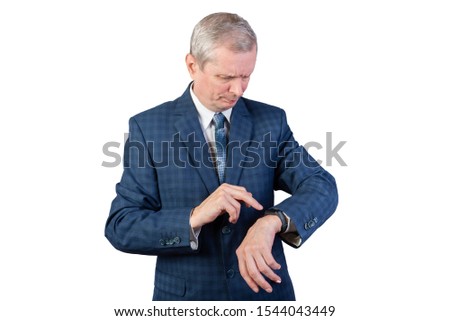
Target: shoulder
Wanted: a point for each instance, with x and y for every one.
(161, 110)
(262, 110)
(160, 116)
(165, 110)
(255, 106)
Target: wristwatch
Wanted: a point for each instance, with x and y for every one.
(280, 214)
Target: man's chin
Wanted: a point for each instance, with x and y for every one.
(224, 107)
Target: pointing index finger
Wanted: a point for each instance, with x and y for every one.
(247, 198)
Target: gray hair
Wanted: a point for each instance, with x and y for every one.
(220, 29)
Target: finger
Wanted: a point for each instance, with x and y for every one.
(240, 193)
(254, 271)
(270, 261)
(233, 208)
(235, 187)
(267, 270)
(245, 275)
(247, 198)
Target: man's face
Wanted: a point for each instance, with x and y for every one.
(223, 79)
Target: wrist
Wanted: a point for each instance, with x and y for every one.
(273, 212)
(193, 221)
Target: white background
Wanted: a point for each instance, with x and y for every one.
(374, 73)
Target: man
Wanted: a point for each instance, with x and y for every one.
(199, 180)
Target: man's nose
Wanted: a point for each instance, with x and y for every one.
(237, 87)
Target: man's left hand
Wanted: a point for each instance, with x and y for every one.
(255, 254)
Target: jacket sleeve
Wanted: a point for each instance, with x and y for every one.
(313, 190)
(137, 223)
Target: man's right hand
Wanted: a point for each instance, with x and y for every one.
(225, 199)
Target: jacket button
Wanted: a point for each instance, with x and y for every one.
(311, 223)
(230, 273)
(226, 230)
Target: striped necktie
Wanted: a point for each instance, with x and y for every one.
(220, 137)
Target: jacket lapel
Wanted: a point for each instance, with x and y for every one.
(191, 136)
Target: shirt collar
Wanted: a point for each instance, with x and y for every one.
(204, 114)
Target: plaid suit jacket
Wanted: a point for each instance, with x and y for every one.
(168, 171)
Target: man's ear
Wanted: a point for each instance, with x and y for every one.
(191, 64)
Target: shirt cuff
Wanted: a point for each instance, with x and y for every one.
(193, 236)
(291, 235)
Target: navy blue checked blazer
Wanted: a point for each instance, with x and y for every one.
(168, 171)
